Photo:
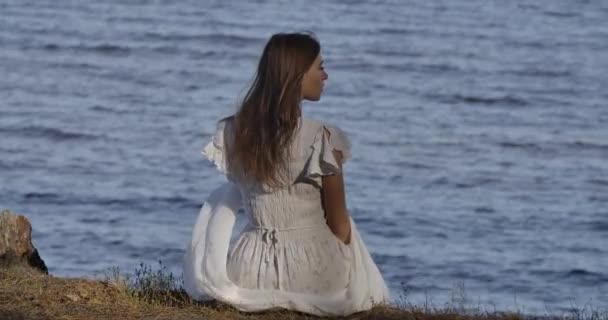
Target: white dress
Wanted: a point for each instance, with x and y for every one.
(286, 256)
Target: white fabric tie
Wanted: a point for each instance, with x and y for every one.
(269, 237)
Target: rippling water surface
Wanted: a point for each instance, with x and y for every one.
(480, 132)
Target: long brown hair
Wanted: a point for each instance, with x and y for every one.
(264, 125)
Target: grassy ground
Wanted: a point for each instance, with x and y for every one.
(157, 294)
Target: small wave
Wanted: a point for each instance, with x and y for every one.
(577, 272)
(395, 259)
(75, 66)
(40, 195)
(99, 108)
(400, 31)
(91, 237)
(488, 101)
(166, 49)
(577, 249)
(138, 202)
(58, 246)
(528, 6)
(386, 52)
(167, 253)
(510, 272)
(601, 226)
(192, 87)
(475, 183)
(393, 233)
(580, 145)
(506, 164)
(396, 179)
(546, 273)
(598, 182)
(585, 276)
(115, 243)
(439, 235)
(560, 14)
(419, 221)
(460, 185)
(516, 286)
(437, 68)
(5, 166)
(403, 281)
(598, 199)
(593, 225)
(539, 73)
(414, 165)
(60, 135)
(117, 50)
(105, 48)
(210, 38)
(151, 251)
(461, 274)
(51, 47)
(520, 145)
(441, 181)
(116, 202)
(183, 202)
(142, 20)
(114, 221)
(91, 220)
(44, 198)
(107, 202)
(526, 44)
(484, 210)
(49, 133)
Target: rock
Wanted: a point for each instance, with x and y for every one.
(16, 242)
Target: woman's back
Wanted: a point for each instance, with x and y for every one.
(287, 244)
(298, 202)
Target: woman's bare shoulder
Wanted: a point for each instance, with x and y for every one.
(315, 124)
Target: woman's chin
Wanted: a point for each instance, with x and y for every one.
(313, 98)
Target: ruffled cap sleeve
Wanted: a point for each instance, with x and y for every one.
(322, 161)
(215, 150)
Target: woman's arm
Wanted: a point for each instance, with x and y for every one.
(334, 203)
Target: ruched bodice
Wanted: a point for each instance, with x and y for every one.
(300, 206)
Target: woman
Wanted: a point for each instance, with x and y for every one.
(300, 250)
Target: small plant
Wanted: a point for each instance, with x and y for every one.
(159, 287)
(112, 276)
